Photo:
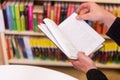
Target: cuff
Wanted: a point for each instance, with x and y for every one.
(95, 74)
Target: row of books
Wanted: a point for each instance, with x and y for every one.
(109, 53)
(26, 14)
(18, 14)
(44, 49)
(33, 48)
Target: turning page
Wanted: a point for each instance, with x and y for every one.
(72, 36)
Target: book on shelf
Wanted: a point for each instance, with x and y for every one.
(2, 29)
(28, 47)
(72, 36)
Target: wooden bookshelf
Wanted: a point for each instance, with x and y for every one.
(27, 33)
(48, 62)
(32, 33)
(110, 66)
(39, 62)
(57, 63)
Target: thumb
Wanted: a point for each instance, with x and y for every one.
(80, 54)
(86, 16)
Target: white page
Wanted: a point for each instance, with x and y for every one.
(80, 37)
(44, 28)
(67, 48)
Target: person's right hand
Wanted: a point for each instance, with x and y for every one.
(84, 63)
(93, 12)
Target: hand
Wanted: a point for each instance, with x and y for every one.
(84, 63)
(93, 12)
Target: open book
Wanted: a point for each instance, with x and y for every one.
(72, 36)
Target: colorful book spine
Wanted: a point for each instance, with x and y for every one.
(44, 9)
(17, 55)
(26, 14)
(35, 22)
(8, 48)
(40, 18)
(17, 14)
(9, 15)
(48, 9)
(30, 16)
(58, 13)
(22, 46)
(28, 47)
(4, 4)
(22, 16)
(13, 15)
(19, 47)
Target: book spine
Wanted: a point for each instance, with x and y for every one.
(9, 17)
(40, 18)
(11, 47)
(48, 9)
(8, 48)
(17, 12)
(19, 47)
(17, 55)
(52, 13)
(22, 46)
(26, 14)
(30, 17)
(13, 16)
(22, 16)
(4, 4)
(28, 47)
(58, 13)
(35, 22)
(44, 9)
(55, 12)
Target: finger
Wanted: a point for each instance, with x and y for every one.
(86, 16)
(82, 6)
(84, 11)
(91, 55)
(81, 53)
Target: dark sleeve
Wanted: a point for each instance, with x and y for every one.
(114, 31)
(95, 74)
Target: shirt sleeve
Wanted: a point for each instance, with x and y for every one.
(95, 74)
(114, 31)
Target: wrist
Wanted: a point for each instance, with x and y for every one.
(90, 68)
(108, 19)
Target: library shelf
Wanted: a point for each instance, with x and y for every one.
(58, 63)
(108, 66)
(39, 62)
(48, 62)
(27, 33)
(97, 1)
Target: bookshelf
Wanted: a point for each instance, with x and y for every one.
(45, 62)
(39, 34)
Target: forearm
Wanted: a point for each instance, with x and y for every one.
(95, 74)
(114, 31)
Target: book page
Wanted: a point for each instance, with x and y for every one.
(44, 28)
(72, 36)
(82, 36)
(60, 39)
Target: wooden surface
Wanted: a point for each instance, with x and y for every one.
(112, 74)
(1, 52)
